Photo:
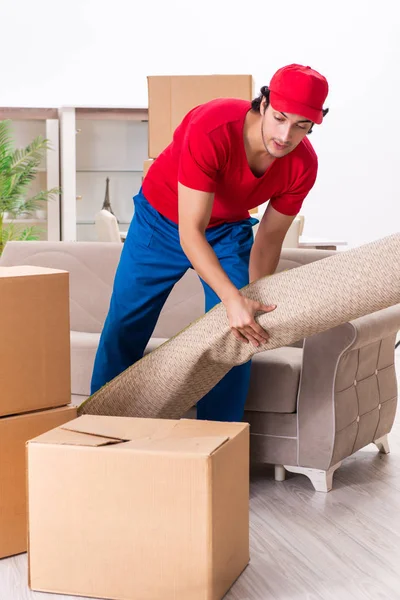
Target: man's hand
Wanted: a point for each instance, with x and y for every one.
(241, 311)
(195, 208)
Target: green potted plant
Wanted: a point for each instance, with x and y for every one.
(18, 168)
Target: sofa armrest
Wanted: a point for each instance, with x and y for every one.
(376, 326)
(291, 258)
(348, 389)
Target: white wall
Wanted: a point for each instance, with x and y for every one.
(91, 52)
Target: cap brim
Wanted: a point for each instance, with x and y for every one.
(283, 104)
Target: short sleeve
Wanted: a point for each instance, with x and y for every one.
(290, 202)
(200, 160)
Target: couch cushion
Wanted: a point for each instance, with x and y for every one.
(83, 352)
(184, 305)
(91, 266)
(283, 425)
(274, 382)
(154, 342)
(84, 340)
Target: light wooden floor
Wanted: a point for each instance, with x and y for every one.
(306, 545)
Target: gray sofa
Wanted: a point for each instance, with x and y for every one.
(309, 406)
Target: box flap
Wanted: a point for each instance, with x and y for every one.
(194, 427)
(94, 430)
(24, 270)
(200, 446)
(144, 435)
(61, 436)
(123, 428)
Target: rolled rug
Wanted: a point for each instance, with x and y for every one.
(310, 299)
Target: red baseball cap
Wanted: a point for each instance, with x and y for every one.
(299, 90)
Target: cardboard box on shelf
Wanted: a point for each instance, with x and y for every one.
(172, 97)
(14, 433)
(146, 166)
(139, 508)
(35, 339)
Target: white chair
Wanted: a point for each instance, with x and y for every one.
(293, 234)
(302, 219)
(107, 227)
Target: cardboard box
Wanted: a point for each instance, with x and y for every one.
(139, 509)
(172, 97)
(14, 433)
(35, 339)
(146, 166)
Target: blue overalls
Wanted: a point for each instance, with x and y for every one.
(152, 261)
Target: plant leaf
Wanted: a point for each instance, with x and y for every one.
(18, 168)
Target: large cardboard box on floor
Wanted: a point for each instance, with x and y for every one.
(172, 97)
(139, 509)
(35, 339)
(14, 433)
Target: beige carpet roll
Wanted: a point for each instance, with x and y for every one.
(310, 299)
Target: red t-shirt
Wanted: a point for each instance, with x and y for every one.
(207, 153)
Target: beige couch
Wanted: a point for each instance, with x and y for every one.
(309, 407)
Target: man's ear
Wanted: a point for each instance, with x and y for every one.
(263, 107)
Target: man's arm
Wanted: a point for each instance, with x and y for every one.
(267, 245)
(275, 223)
(194, 215)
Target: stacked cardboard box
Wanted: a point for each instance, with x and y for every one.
(35, 381)
(146, 166)
(172, 97)
(139, 508)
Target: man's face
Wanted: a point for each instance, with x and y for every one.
(282, 132)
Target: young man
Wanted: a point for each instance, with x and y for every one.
(227, 156)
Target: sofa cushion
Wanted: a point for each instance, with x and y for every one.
(91, 266)
(83, 352)
(275, 378)
(275, 374)
(154, 342)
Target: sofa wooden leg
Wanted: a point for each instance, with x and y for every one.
(321, 480)
(382, 444)
(280, 474)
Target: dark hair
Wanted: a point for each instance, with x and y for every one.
(264, 93)
(256, 103)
